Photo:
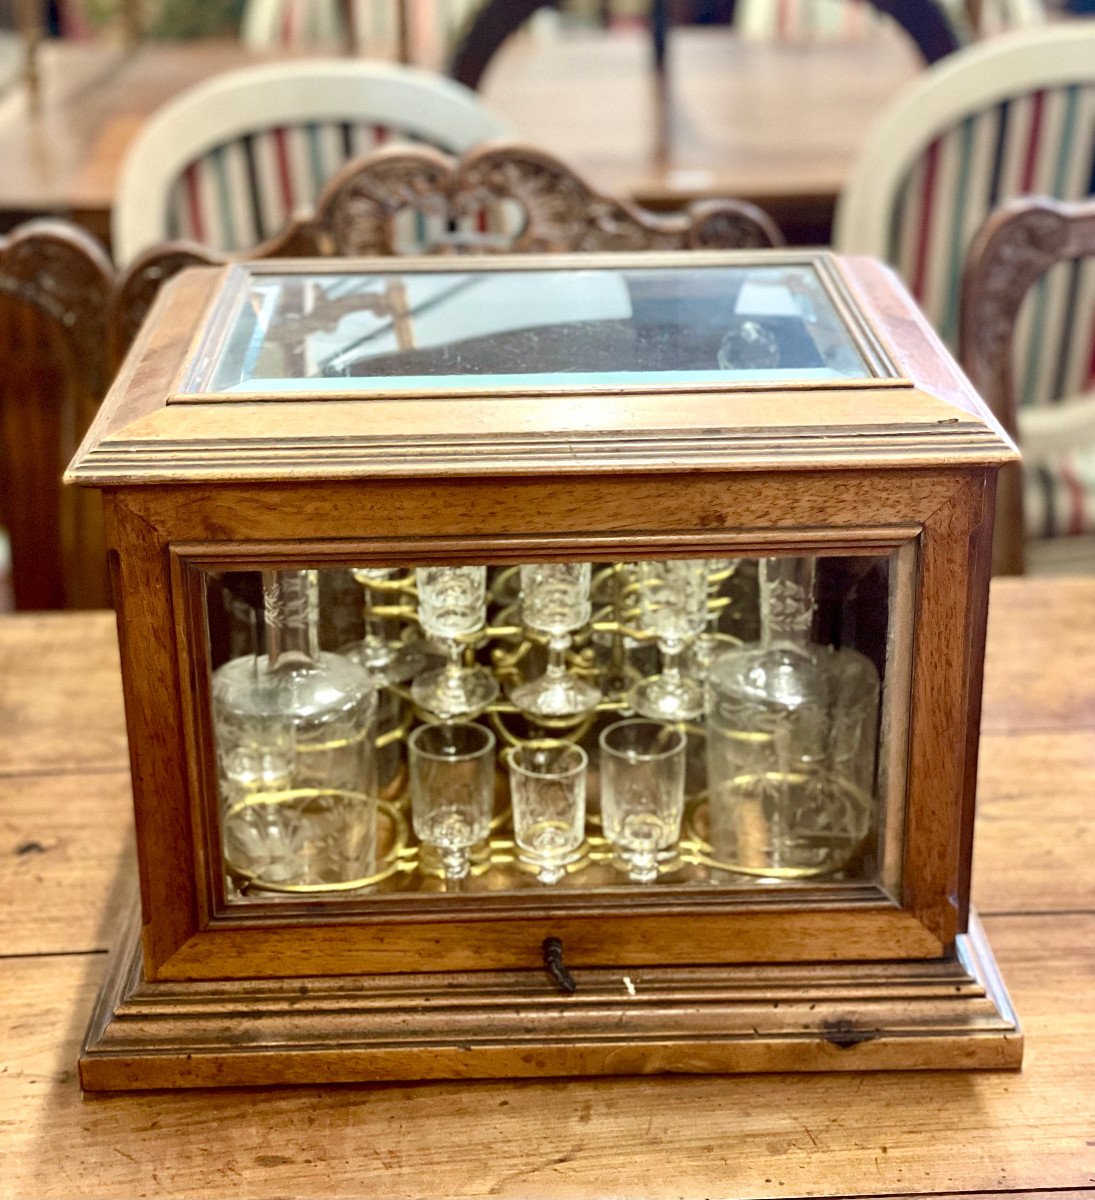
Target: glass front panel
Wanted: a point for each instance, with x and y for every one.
(680, 723)
(567, 328)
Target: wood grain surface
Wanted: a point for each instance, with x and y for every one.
(668, 1136)
(60, 695)
(1040, 656)
(864, 1135)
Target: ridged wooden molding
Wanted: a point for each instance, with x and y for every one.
(933, 1014)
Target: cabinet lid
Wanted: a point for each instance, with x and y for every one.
(338, 369)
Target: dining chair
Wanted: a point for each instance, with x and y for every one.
(856, 20)
(1012, 116)
(228, 162)
(925, 21)
(499, 198)
(291, 24)
(808, 20)
(55, 289)
(419, 32)
(1046, 513)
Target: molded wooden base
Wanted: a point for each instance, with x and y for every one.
(831, 1017)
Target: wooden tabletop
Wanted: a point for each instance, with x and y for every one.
(778, 124)
(65, 847)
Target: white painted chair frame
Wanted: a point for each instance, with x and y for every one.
(432, 109)
(970, 81)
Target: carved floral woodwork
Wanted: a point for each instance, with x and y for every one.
(529, 200)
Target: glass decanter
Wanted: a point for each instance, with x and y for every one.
(555, 602)
(294, 731)
(791, 740)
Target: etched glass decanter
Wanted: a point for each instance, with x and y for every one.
(296, 763)
(791, 740)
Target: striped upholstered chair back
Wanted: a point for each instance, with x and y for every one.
(227, 163)
(1010, 117)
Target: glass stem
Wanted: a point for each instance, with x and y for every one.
(456, 864)
(643, 867)
(374, 626)
(557, 663)
(671, 660)
(454, 668)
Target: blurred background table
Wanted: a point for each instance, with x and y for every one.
(66, 859)
(745, 120)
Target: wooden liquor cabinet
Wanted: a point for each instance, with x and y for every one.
(547, 666)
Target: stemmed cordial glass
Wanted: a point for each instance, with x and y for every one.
(387, 661)
(719, 570)
(673, 607)
(555, 601)
(452, 605)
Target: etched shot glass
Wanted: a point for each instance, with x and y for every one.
(642, 792)
(452, 604)
(452, 790)
(547, 781)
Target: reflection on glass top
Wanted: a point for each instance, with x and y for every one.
(500, 330)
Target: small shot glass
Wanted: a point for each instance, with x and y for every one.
(452, 790)
(547, 781)
(642, 792)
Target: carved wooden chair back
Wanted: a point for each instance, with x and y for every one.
(55, 285)
(1013, 252)
(415, 199)
(228, 163)
(1009, 117)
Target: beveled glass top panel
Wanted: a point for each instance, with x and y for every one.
(567, 329)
